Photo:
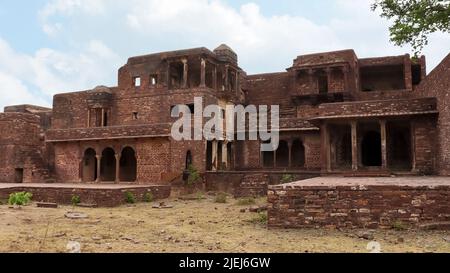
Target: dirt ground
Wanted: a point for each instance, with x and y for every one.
(190, 226)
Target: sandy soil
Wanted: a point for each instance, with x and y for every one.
(190, 226)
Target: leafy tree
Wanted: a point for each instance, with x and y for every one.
(414, 20)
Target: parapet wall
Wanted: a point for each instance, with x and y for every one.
(311, 203)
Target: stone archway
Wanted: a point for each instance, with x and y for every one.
(371, 149)
(89, 166)
(108, 165)
(128, 165)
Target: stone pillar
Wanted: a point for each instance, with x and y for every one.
(237, 82)
(226, 84)
(185, 72)
(214, 155)
(408, 72)
(224, 158)
(214, 77)
(345, 71)
(103, 117)
(99, 162)
(383, 144)
(290, 153)
(325, 144)
(311, 78)
(89, 118)
(203, 73)
(168, 75)
(274, 159)
(117, 168)
(354, 145)
(413, 146)
(328, 71)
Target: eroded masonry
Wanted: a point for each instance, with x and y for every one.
(339, 115)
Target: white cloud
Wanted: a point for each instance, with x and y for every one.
(39, 76)
(99, 35)
(67, 8)
(13, 91)
(263, 43)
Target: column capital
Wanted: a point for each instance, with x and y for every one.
(184, 61)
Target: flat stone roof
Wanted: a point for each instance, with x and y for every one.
(362, 182)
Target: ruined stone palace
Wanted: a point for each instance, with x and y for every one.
(339, 114)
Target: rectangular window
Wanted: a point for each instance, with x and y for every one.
(137, 81)
(153, 80)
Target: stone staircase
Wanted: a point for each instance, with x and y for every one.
(253, 185)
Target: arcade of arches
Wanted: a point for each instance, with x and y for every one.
(290, 154)
(109, 166)
(369, 145)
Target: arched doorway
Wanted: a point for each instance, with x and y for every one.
(128, 165)
(188, 159)
(89, 167)
(108, 165)
(371, 149)
(283, 154)
(298, 153)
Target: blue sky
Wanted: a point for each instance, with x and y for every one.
(54, 46)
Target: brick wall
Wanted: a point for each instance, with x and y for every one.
(437, 84)
(356, 207)
(20, 139)
(377, 107)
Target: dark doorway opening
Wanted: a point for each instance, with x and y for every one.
(230, 158)
(89, 166)
(128, 165)
(219, 155)
(283, 154)
(18, 175)
(188, 159)
(108, 165)
(322, 79)
(209, 163)
(399, 146)
(298, 153)
(371, 149)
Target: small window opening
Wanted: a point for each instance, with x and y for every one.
(105, 118)
(135, 115)
(137, 81)
(323, 84)
(153, 80)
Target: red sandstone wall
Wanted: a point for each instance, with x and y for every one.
(67, 162)
(425, 145)
(437, 84)
(19, 140)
